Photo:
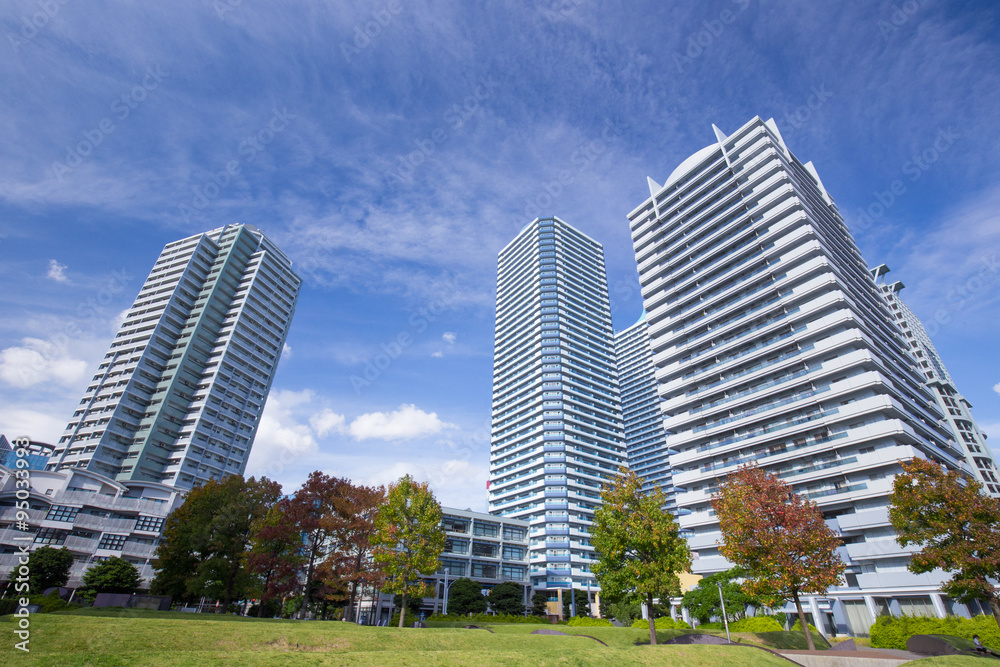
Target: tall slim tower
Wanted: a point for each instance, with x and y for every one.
(645, 437)
(773, 346)
(557, 431)
(178, 397)
(957, 410)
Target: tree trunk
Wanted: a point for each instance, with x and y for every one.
(351, 601)
(802, 620)
(402, 611)
(305, 592)
(995, 606)
(652, 621)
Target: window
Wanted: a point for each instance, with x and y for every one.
(484, 570)
(486, 529)
(50, 536)
(515, 533)
(454, 524)
(514, 572)
(513, 553)
(484, 549)
(456, 546)
(149, 524)
(62, 513)
(113, 542)
(456, 568)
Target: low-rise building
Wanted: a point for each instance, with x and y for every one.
(90, 514)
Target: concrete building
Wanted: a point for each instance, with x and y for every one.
(645, 438)
(957, 410)
(178, 397)
(91, 515)
(557, 430)
(175, 402)
(772, 345)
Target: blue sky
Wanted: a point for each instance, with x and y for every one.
(393, 148)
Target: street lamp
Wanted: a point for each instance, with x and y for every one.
(725, 619)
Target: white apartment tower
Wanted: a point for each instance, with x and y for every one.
(957, 410)
(772, 345)
(645, 438)
(557, 431)
(178, 397)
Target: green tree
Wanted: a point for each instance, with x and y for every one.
(48, 568)
(624, 612)
(956, 526)
(539, 604)
(413, 605)
(465, 596)
(507, 598)
(777, 537)
(702, 601)
(408, 539)
(641, 552)
(206, 539)
(580, 599)
(115, 575)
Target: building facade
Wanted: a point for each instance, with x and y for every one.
(91, 515)
(772, 345)
(178, 397)
(557, 430)
(645, 437)
(175, 402)
(957, 410)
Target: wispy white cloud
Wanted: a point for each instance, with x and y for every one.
(36, 361)
(57, 272)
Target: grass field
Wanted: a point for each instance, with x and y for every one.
(116, 637)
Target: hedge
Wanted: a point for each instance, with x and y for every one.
(893, 631)
(477, 618)
(587, 622)
(797, 627)
(664, 623)
(756, 624)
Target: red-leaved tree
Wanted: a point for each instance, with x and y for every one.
(956, 524)
(778, 538)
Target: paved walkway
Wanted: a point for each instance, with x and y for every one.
(863, 657)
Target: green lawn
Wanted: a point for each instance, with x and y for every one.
(113, 637)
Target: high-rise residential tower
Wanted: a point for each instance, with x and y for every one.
(178, 397)
(645, 438)
(557, 431)
(773, 346)
(957, 410)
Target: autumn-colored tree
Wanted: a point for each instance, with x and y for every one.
(956, 526)
(778, 538)
(275, 556)
(408, 539)
(352, 526)
(311, 511)
(639, 547)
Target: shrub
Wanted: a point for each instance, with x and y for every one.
(479, 618)
(715, 625)
(797, 627)
(664, 623)
(892, 631)
(47, 603)
(756, 624)
(587, 622)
